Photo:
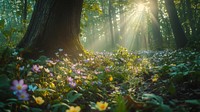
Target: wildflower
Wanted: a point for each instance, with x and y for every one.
(110, 78)
(46, 70)
(15, 53)
(52, 85)
(70, 79)
(32, 88)
(19, 58)
(50, 62)
(84, 77)
(19, 86)
(23, 95)
(65, 55)
(80, 55)
(60, 50)
(155, 78)
(101, 106)
(35, 68)
(21, 68)
(74, 109)
(72, 84)
(38, 100)
(51, 74)
(41, 67)
(78, 72)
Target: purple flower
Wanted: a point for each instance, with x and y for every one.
(51, 74)
(72, 84)
(70, 79)
(23, 95)
(19, 86)
(36, 68)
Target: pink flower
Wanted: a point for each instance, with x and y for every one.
(36, 68)
(19, 86)
(70, 79)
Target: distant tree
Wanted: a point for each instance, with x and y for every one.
(177, 29)
(156, 25)
(54, 24)
(111, 25)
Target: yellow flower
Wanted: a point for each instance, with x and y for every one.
(110, 78)
(101, 106)
(155, 78)
(74, 109)
(52, 85)
(38, 100)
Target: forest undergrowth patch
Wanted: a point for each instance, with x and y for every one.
(121, 81)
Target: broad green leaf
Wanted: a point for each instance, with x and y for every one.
(151, 98)
(194, 102)
(73, 95)
(2, 104)
(163, 108)
(36, 110)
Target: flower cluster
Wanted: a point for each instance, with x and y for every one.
(19, 89)
(71, 82)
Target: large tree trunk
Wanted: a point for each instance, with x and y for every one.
(156, 25)
(178, 32)
(54, 24)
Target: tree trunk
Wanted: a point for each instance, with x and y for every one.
(54, 24)
(178, 32)
(156, 25)
(111, 25)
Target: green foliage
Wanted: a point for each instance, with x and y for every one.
(103, 76)
(120, 104)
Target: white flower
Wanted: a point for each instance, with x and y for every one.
(15, 53)
(60, 50)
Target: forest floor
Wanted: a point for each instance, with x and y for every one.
(142, 81)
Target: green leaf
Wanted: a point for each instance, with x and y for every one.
(2, 23)
(151, 98)
(194, 102)
(172, 89)
(163, 108)
(4, 81)
(12, 100)
(2, 104)
(26, 107)
(36, 110)
(73, 95)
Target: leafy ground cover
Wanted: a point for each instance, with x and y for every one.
(145, 81)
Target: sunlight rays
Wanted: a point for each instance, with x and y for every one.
(131, 30)
(136, 31)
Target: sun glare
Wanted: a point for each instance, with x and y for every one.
(140, 7)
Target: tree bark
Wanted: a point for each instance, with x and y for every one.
(177, 29)
(111, 24)
(54, 24)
